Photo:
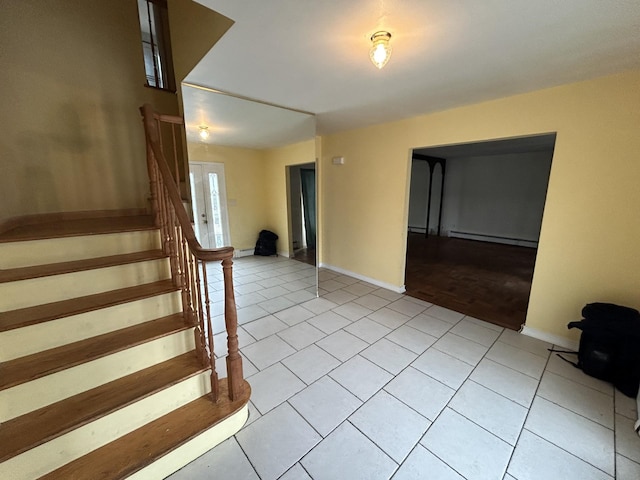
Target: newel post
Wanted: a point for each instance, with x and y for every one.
(234, 360)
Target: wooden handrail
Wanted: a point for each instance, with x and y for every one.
(187, 257)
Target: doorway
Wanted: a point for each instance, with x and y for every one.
(475, 213)
(209, 204)
(301, 181)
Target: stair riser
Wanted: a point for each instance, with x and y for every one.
(43, 336)
(66, 249)
(187, 453)
(51, 455)
(37, 291)
(52, 388)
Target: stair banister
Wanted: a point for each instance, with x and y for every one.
(188, 259)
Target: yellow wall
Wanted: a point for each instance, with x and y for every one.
(256, 182)
(72, 80)
(589, 240)
(277, 159)
(244, 171)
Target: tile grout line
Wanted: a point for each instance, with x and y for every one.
(479, 426)
(467, 378)
(527, 415)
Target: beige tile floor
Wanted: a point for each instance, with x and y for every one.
(365, 383)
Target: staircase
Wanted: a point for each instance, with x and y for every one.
(107, 362)
(100, 377)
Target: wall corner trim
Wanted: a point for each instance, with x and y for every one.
(373, 281)
(550, 338)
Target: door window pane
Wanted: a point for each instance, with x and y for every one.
(215, 208)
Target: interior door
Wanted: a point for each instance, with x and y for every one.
(209, 197)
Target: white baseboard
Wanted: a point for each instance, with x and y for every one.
(373, 281)
(563, 342)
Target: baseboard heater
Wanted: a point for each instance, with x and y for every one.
(493, 238)
(243, 253)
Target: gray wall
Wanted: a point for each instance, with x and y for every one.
(418, 196)
(485, 197)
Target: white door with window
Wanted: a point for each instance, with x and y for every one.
(209, 202)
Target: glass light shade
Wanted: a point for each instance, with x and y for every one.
(380, 49)
(204, 133)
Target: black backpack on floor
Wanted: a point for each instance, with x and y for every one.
(610, 345)
(266, 244)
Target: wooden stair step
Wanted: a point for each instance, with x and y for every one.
(138, 449)
(35, 428)
(50, 311)
(30, 367)
(77, 227)
(24, 273)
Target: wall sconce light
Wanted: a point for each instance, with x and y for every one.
(380, 48)
(204, 132)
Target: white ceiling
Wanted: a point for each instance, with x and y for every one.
(236, 122)
(313, 55)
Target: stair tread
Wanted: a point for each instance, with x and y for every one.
(50, 311)
(30, 430)
(31, 367)
(23, 273)
(138, 449)
(77, 227)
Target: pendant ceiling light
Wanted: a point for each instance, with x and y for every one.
(380, 48)
(204, 132)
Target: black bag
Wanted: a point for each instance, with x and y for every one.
(266, 244)
(610, 345)
(596, 354)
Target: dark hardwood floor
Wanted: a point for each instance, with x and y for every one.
(485, 280)
(306, 255)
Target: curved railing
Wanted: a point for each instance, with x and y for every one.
(188, 259)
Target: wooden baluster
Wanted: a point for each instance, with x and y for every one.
(195, 301)
(198, 314)
(160, 214)
(182, 247)
(153, 192)
(151, 164)
(197, 287)
(186, 301)
(186, 288)
(166, 221)
(175, 155)
(209, 328)
(173, 253)
(156, 189)
(234, 360)
(179, 256)
(158, 136)
(159, 128)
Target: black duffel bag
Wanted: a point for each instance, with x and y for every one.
(266, 244)
(610, 345)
